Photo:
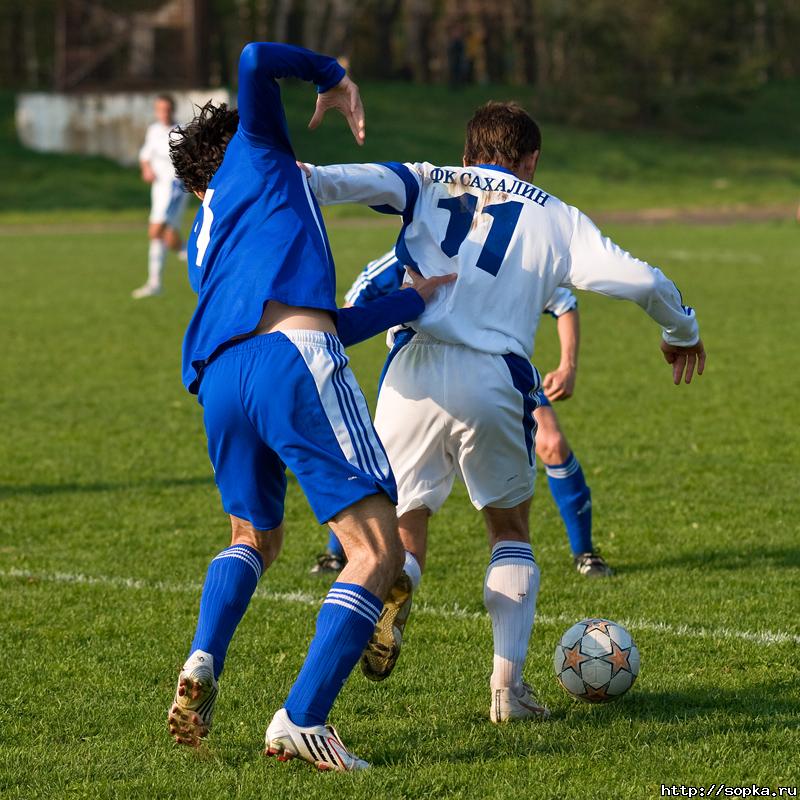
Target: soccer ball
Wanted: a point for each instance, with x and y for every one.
(596, 661)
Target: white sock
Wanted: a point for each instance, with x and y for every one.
(155, 261)
(509, 594)
(413, 570)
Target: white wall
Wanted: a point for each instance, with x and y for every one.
(107, 124)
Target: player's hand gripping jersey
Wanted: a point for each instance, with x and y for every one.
(511, 243)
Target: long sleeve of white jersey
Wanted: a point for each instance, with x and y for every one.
(561, 302)
(511, 244)
(597, 264)
(390, 187)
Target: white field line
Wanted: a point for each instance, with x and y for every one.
(448, 612)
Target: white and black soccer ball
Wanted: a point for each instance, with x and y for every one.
(596, 661)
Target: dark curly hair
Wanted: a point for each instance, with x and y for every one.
(197, 149)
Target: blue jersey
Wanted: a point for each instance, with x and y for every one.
(259, 234)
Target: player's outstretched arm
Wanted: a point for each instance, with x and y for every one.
(390, 187)
(358, 323)
(261, 64)
(599, 265)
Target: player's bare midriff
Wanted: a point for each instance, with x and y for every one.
(280, 317)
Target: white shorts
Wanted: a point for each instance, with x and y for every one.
(167, 203)
(447, 410)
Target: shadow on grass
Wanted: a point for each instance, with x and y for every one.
(699, 712)
(720, 560)
(44, 489)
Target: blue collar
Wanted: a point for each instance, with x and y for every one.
(494, 166)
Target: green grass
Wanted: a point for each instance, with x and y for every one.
(747, 155)
(104, 475)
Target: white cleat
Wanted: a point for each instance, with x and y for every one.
(145, 291)
(182, 255)
(193, 707)
(320, 745)
(520, 703)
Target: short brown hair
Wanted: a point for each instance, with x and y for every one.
(501, 132)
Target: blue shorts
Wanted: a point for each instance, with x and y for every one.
(290, 400)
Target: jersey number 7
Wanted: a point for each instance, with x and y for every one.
(462, 212)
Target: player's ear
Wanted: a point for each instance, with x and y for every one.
(527, 167)
(200, 196)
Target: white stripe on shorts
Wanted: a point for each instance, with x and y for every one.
(357, 414)
(342, 401)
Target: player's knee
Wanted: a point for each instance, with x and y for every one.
(383, 552)
(552, 447)
(369, 535)
(268, 543)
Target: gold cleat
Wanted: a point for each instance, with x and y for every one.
(383, 650)
(193, 707)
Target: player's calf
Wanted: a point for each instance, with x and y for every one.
(383, 650)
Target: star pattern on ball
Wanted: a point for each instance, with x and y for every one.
(618, 658)
(597, 625)
(573, 658)
(599, 695)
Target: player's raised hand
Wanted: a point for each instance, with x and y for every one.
(345, 98)
(425, 287)
(559, 384)
(684, 359)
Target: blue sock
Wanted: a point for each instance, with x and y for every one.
(574, 501)
(334, 545)
(231, 579)
(344, 626)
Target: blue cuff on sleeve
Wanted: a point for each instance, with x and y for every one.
(337, 72)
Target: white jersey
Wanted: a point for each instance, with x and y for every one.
(155, 151)
(512, 245)
(561, 302)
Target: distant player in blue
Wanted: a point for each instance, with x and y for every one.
(264, 353)
(564, 474)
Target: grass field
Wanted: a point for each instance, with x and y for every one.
(109, 516)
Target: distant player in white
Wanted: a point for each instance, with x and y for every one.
(459, 389)
(167, 197)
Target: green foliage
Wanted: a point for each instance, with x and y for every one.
(109, 517)
(747, 156)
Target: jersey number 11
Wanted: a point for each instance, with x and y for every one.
(462, 212)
